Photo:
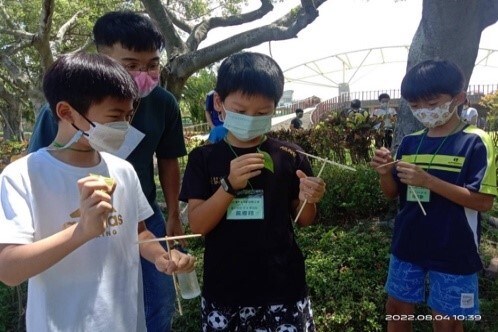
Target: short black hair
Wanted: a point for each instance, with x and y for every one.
(82, 79)
(299, 110)
(252, 74)
(431, 78)
(133, 31)
(355, 103)
(383, 96)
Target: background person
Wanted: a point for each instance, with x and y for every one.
(297, 123)
(385, 119)
(469, 114)
(135, 42)
(217, 131)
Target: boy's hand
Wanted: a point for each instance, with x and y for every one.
(381, 157)
(175, 261)
(95, 205)
(412, 175)
(311, 189)
(244, 168)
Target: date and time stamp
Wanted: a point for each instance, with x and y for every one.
(432, 317)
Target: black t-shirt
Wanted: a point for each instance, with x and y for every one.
(251, 262)
(297, 123)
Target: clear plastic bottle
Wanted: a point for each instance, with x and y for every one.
(187, 282)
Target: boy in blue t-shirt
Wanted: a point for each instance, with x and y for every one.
(448, 169)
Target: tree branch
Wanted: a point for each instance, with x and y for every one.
(201, 30)
(6, 17)
(62, 32)
(174, 44)
(181, 24)
(284, 28)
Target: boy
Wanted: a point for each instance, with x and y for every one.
(386, 118)
(136, 43)
(297, 123)
(72, 235)
(450, 167)
(243, 193)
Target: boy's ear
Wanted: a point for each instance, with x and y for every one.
(65, 112)
(217, 103)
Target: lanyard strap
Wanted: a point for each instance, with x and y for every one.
(438, 148)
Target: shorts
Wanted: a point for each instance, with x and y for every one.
(293, 317)
(449, 294)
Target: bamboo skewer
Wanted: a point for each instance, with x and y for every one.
(176, 285)
(169, 238)
(327, 161)
(418, 200)
(390, 163)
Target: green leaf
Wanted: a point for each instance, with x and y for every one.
(268, 162)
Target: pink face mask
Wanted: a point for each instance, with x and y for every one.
(145, 82)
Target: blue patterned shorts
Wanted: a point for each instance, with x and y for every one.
(449, 294)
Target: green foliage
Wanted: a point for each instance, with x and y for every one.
(10, 150)
(346, 270)
(351, 195)
(299, 137)
(12, 304)
(194, 94)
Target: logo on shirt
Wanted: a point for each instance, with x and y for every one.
(113, 221)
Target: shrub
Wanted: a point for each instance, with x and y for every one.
(351, 195)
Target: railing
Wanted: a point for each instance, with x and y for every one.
(369, 99)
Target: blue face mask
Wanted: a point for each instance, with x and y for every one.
(245, 127)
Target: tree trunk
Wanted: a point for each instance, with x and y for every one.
(451, 30)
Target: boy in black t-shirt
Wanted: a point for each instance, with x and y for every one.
(243, 193)
(297, 123)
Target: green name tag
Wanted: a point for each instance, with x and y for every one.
(423, 194)
(247, 205)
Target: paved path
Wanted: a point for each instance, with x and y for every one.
(283, 122)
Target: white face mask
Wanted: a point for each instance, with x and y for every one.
(107, 137)
(434, 117)
(245, 127)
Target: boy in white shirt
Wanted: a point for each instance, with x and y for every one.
(72, 234)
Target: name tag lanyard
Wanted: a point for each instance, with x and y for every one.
(423, 194)
(248, 204)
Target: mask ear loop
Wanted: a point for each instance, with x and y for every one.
(87, 120)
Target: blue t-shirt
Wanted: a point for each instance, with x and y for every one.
(157, 116)
(447, 239)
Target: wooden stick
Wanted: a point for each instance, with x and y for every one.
(306, 200)
(176, 285)
(418, 200)
(392, 162)
(327, 161)
(169, 238)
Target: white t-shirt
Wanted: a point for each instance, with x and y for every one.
(98, 286)
(385, 115)
(468, 114)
